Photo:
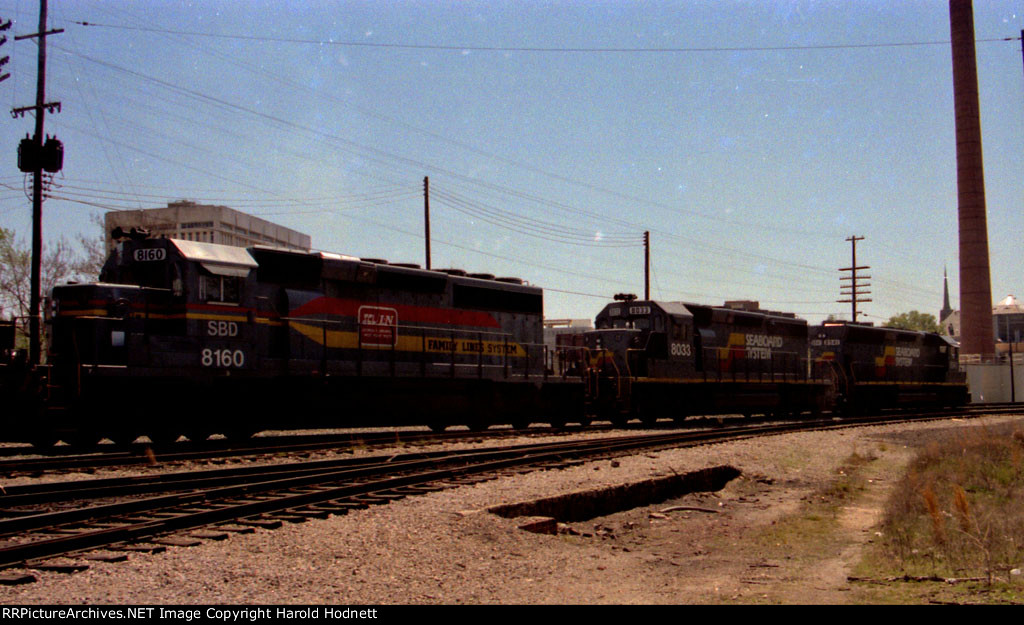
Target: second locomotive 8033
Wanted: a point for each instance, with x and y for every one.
(670, 359)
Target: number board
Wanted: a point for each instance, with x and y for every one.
(150, 254)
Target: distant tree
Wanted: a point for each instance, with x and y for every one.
(914, 320)
(94, 251)
(58, 266)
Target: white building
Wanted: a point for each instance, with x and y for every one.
(209, 224)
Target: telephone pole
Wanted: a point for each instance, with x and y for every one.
(426, 217)
(647, 265)
(856, 287)
(34, 156)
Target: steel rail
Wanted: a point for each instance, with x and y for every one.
(217, 449)
(213, 450)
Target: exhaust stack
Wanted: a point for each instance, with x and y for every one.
(976, 334)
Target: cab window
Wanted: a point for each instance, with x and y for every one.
(221, 289)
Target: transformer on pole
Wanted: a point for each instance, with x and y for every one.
(35, 156)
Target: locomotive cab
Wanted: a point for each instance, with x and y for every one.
(661, 335)
(149, 293)
(132, 335)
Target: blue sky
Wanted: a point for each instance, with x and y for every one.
(751, 138)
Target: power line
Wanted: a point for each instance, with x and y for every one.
(546, 49)
(384, 157)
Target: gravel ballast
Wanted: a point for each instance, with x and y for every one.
(444, 547)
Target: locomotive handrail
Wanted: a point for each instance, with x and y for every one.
(595, 371)
(629, 351)
(567, 365)
(566, 370)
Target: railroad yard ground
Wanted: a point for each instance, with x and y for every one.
(800, 525)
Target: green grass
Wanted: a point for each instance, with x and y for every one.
(956, 515)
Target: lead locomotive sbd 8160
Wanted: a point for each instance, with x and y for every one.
(189, 338)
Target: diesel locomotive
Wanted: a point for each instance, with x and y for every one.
(190, 338)
(879, 368)
(671, 359)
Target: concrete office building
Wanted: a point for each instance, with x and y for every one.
(209, 224)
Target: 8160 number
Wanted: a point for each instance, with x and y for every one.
(222, 357)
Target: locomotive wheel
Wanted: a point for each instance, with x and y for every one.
(437, 426)
(162, 438)
(43, 441)
(83, 440)
(196, 437)
(619, 420)
(557, 422)
(122, 438)
(520, 423)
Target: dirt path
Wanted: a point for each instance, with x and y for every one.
(791, 541)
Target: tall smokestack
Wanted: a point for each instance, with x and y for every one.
(975, 283)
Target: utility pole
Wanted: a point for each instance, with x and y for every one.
(6, 58)
(426, 216)
(34, 156)
(854, 289)
(647, 265)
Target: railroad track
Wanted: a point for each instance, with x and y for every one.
(271, 446)
(64, 459)
(157, 509)
(288, 493)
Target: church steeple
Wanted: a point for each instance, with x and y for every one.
(946, 308)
